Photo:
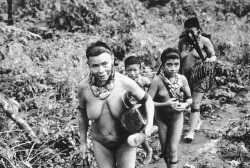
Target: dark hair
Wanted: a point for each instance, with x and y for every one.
(97, 48)
(131, 60)
(169, 53)
(192, 22)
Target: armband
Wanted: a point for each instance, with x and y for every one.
(144, 99)
(80, 108)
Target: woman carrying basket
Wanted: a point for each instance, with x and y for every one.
(197, 57)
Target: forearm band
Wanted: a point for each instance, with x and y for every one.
(144, 99)
(195, 110)
(80, 108)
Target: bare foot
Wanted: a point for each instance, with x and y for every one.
(198, 126)
(148, 158)
(189, 137)
(136, 139)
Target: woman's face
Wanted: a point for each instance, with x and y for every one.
(194, 29)
(171, 67)
(133, 71)
(101, 67)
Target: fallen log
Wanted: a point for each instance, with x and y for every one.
(10, 108)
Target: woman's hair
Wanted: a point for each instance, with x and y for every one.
(169, 53)
(131, 60)
(97, 48)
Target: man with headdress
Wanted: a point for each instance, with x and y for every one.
(100, 97)
(195, 50)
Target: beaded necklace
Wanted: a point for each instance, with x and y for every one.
(102, 91)
(171, 87)
(174, 85)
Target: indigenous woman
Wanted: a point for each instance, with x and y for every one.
(171, 94)
(100, 101)
(196, 49)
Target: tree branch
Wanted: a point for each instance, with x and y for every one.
(10, 108)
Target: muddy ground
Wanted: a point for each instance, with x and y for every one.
(203, 149)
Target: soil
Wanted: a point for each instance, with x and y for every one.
(203, 149)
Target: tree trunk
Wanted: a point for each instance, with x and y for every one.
(10, 18)
(10, 108)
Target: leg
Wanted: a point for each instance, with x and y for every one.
(149, 152)
(126, 156)
(175, 132)
(104, 157)
(162, 137)
(195, 115)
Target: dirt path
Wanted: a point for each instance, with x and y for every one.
(203, 148)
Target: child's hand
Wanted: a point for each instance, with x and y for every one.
(172, 102)
(181, 107)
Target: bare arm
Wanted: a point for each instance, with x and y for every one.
(187, 92)
(153, 88)
(211, 57)
(139, 94)
(181, 46)
(83, 123)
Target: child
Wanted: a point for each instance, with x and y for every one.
(167, 90)
(132, 69)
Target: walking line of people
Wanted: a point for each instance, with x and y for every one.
(125, 110)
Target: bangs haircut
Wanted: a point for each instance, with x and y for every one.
(170, 53)
(97, 48)
(131, 60)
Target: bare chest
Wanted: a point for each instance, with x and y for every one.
(109, 108)
(163, 92)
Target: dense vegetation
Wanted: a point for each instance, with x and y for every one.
(42, 60)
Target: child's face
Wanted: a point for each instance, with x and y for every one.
(133, 71)
(101, 66)
(171, 67)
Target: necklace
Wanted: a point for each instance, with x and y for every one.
(173, 85)
(102, 91)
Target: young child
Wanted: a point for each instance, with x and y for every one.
(132, 69)
(167, 90)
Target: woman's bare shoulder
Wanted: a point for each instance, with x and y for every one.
(156, 80)
(123, 79)
(183, 78)
(205, 40)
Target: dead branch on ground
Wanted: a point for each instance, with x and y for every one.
(10, 108)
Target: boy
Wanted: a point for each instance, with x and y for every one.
(100, 100)
(166, 90)
(132, 69)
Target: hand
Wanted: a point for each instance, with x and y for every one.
(148, 130)
(181, 107)
(172, 102)
(211, 59)
(208, 60)
(83, 150)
